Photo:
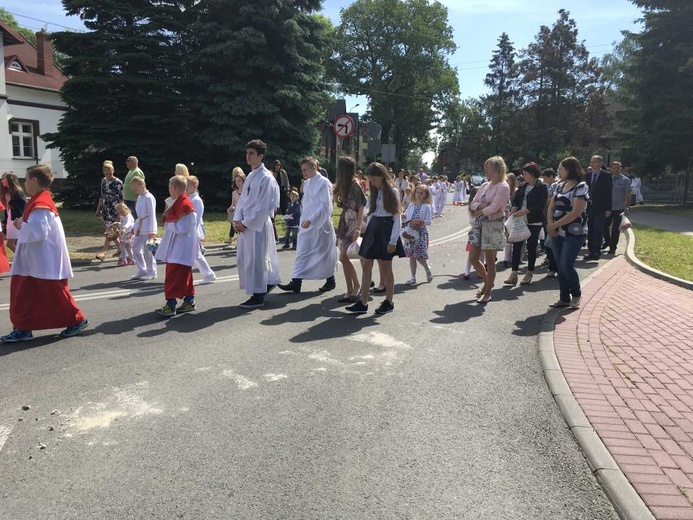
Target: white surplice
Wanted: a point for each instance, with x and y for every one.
(316, 252)
(256, 256)
(41, 248)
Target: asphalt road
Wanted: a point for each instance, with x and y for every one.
(438, 410)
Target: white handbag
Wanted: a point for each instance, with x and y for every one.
(518, 230)
(353, 249)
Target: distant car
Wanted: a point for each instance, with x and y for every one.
(476, 180)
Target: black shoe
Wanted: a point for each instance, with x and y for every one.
(385, 307)
(378, 290)
(253, 303)
(291, 286)
(591, 257)
(605, 246)
(270, 288)
(612, 252)
(286, 246)
(358, 308)
(348, 299)
(330, 285)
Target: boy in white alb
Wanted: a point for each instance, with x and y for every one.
(199, 205)
(145, 228)
(39, 294)
(178, 249)
(441, 194)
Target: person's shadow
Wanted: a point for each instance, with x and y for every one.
(340, 325)
(459, 312)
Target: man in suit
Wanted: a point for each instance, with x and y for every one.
(600, 183)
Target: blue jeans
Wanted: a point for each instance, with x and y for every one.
(291, 236)
(565, 251)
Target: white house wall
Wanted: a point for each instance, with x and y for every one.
(48, 119)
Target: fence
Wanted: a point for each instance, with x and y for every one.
(666, 190)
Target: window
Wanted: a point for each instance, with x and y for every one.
(23, 139)
(15, 65)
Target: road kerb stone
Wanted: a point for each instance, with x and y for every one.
(625, 499)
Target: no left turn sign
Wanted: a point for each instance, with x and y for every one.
(344, 127)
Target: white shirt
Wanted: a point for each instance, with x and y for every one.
(381, 212)
(199, 205)
(145, 207)
(41, 248)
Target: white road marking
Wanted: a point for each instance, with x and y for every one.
(379, 339)
(275, 377)
(4, 435)
(243, 382)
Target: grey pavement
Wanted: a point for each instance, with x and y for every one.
(662, 221)
(438, 410)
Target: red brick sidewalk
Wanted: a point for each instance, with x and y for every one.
(627, 355)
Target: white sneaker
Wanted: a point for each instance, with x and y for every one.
(138, 276)
(411, 281)
(209, 279)
(149, 277)
(429, 276)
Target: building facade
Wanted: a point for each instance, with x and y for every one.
(30, 103)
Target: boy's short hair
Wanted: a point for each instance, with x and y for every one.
(139, 181)
(42, 173)
(311, 160)
(259, 146)
(193, 180)
(178, 181)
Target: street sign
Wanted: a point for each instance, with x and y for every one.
(344, 126)
(388, 153)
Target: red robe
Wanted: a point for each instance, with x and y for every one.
(37, 303)
(179, 278)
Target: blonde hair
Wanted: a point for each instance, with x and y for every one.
(498, 164)
(182, 170)
(428, 198)
(139, 181)
(108, 164)
(237, 171)
(178, 181)
(193, 181)
(122, 208)
(294, 191)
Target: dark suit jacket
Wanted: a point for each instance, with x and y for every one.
(601, 185)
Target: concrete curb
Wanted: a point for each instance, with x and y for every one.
(90, 261)
(641, 266)
(623, 496)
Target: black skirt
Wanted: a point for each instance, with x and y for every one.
(376, 239)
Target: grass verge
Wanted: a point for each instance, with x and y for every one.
(678, 211)
(666, 251)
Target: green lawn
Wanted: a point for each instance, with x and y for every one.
(679, 211)
(666, 251)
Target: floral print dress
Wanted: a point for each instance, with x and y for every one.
(111, 194)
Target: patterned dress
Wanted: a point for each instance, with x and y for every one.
(348, 221)
(418, 247)
(111, 194)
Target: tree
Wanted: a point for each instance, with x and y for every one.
(122, 93)
(10, 20)
(502, 104)
(395, 52)
(258, 73)
(659, 86)
(557, 80)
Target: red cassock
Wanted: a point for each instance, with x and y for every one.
(41, 303)
(179, 277)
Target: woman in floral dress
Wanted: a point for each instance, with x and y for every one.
(111, 194)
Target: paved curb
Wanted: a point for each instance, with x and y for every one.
(624, 498)
(641, 266)
(90, 261)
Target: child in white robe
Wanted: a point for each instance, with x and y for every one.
(39, 294)
(201, 261)
(145, 228)
(127, 223)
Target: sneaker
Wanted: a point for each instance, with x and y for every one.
(130, 261)
(17, 335)
(185, 307)
(411, 281)
(575, 302)
(551, 274)
(378, 290)
(138, 276)
(166, 311)
(429, 276)
(286, 246)
(121, 263)
(358, 308)
(385, 307)
(253, 303)
(209, 279)
(560, 304)
(149, 277)
(75, 329)
(612, 252)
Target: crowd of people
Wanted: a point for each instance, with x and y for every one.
(383, 216)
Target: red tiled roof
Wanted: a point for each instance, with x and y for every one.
(26, 52)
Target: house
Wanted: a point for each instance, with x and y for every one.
(30, 102)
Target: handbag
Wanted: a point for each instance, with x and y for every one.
(353, 249)
(492, 235)
(625, 224)
(518, 230)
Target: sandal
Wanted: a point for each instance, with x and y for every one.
(481, 291)
(100, 256)
(484, 299)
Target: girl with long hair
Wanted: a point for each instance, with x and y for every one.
(14, 200)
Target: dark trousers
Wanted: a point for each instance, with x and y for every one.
(131, 204)
(595, 231)
(551, 259)
(291, 236)
(531, 249)
(611, 231)
(565, 250)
